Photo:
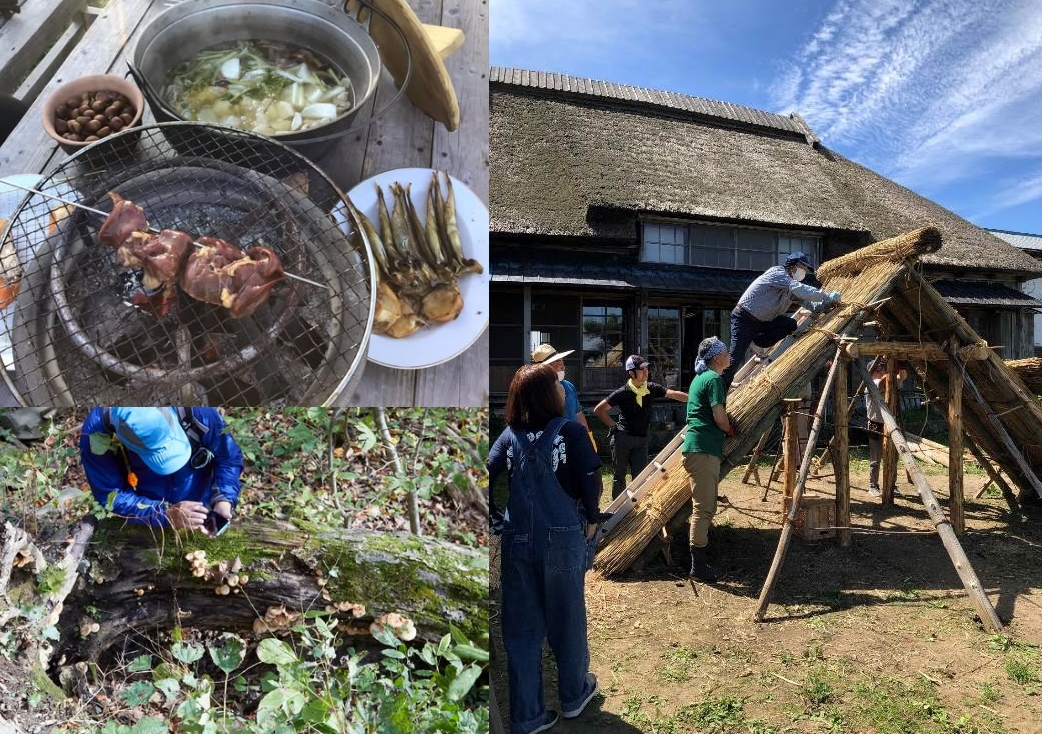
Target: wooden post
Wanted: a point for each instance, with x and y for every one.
(966, 573)
(888, 470)
(753, 469)
(955, 486)
(801, 481)
(840, 453)
(791, 450)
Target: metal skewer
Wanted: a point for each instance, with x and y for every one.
(150, 229)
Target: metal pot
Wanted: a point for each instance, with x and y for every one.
(187, 28)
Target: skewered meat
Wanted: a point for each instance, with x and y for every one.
(219, 273)
(159, 255)
(125, 219)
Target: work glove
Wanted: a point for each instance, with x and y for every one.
(833, 298)
(496, 521)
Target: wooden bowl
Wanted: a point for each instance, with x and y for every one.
(92, 83)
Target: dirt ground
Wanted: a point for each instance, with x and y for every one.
(877, 637)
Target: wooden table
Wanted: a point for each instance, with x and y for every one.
(404, 137)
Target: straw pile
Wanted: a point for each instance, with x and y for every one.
(862, 277)
(1030, 371)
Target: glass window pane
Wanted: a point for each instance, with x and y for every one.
(603, 350)
(551, 309)
(664, 346)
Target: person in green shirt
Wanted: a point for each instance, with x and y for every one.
(707, 426)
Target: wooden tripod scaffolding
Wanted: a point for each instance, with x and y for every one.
(948, 526)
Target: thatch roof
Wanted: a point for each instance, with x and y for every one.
(914, 312)
(566, 153)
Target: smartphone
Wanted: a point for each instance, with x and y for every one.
(216, 524)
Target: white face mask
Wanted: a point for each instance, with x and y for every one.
(800, 274)
(560, 376)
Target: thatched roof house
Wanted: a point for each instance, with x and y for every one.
(633, 216)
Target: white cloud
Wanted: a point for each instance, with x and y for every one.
(933, 91)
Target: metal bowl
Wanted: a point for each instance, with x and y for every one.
(178, 34)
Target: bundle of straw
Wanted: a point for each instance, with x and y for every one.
(862, 279)
(1030, 371)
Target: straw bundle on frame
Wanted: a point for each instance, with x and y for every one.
(863, 277)
(1030, 371)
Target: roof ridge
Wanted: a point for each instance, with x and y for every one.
(702, 106)
(1012, 231)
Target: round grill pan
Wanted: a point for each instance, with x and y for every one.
(85, 332)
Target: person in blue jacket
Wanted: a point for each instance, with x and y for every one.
(168, 467)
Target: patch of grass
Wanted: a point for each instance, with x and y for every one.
(891, 706)
(726, 713)
(902, 595)
(818, 689)
(1020, 671)
(989, 693)
(680, 664)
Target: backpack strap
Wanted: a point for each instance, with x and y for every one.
(192, 426)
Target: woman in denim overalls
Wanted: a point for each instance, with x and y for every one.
(548, 527)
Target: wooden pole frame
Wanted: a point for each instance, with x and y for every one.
(962, 564)
(888, 470)
(955, 474)
(801, 481)
(841, 453)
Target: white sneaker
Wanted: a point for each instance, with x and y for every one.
(591, 680)
(875, 491)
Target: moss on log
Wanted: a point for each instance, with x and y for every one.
(140, 581)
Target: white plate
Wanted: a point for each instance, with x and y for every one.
(10, 198)
(437, 343)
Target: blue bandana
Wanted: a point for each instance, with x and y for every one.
(707, 350)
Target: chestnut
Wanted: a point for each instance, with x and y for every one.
(116, 123)
(62, 112)
(97, 105)
(74, 126)
(91, 138)
(93, 126)
(60, 126)
(83, 119)
(104, 131)
(72, 102)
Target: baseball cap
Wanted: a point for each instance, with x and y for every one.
(155, 435)
(545, 353)
(636, 362)
(799, 257)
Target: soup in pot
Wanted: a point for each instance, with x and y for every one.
(267, 87)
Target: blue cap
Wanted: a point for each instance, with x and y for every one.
(155, 435)
(799, 257)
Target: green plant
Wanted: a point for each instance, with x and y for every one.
(680, 664)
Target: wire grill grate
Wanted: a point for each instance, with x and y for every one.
(84, 332)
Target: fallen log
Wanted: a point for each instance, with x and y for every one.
(259, 578)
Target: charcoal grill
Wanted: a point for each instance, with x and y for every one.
(86, 332)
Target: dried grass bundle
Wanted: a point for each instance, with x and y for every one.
(646, 521)
(896, 251)
(1030, 371)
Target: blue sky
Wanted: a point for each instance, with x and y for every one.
(943, 96)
